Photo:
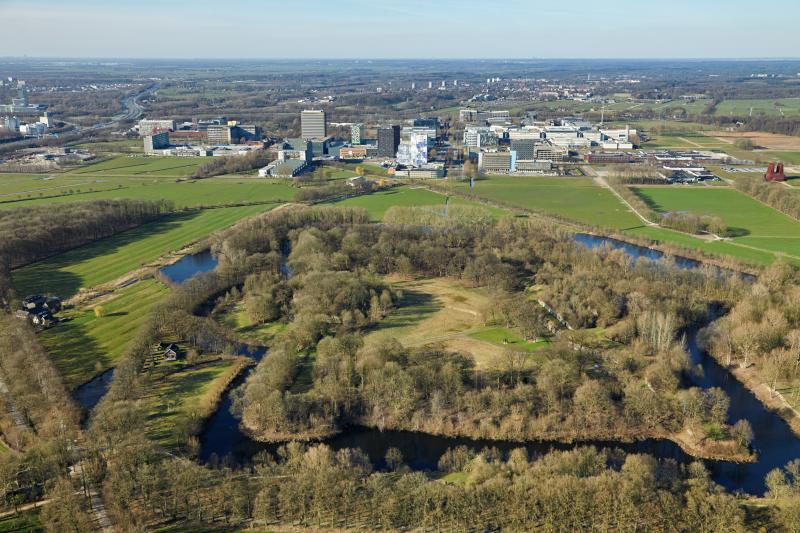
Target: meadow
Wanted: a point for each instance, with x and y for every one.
(578, 199)
(87, 345)
(765, 106)
(760, 226)
(108, 259)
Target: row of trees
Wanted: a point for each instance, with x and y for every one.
(31, 233)
(774, 195)
(219, 166)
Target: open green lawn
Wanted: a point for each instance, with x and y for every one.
(578, 199)
(378, 203)
(761, 226)
(508, 339)
(87, 345)
(108, 259)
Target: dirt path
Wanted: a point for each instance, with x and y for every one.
(601, 181)
(692, 143)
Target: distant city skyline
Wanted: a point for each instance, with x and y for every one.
(391, 29)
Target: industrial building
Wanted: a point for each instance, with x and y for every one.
(313, 124)
(388, 141)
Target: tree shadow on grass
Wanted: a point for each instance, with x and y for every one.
(51, 277)
(413, 308)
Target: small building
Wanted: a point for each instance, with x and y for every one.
(171, 352)
(353, 152)
(357, 181)
(288, 168)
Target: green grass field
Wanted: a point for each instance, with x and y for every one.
(219, 191)
(761, 226)
(508, 339)
(789, 107)
(108, 259)
(378, 203)
(87, 345)
(578, 199)
(151, 166)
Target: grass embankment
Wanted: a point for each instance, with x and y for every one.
(182, 394)
(87, 344)
(758, 225)
(108, 259)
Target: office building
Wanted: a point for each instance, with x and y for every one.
(497, 161)
(313, 124)
(478, 136)
(388, 141)
(220, 134)
(413, 150)
(548, 152)
(150, 126)
(157, 141)
(356, 134)
(524, 149)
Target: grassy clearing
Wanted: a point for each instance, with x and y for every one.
(432, 310)
(378, 203)
(578, 199)
(508, 339)
(106, 260)
(181, 391)
(87, 345)
(260, 334)
(441, 311)
(760, 225)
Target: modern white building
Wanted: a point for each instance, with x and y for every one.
(413, 149)
(478, 136)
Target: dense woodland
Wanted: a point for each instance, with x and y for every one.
(337, 290)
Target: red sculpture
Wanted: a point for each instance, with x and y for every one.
(775, 172)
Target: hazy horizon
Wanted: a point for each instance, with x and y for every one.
(410, 29)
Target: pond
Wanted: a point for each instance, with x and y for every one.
(189, 266)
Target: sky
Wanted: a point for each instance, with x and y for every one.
(400, 29)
